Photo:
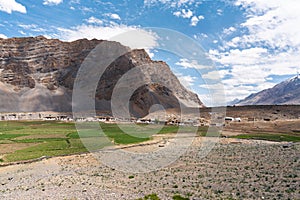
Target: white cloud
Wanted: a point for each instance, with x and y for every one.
(74, 2)
(215, 75)
(94, 20)
(229, 90)
(11, 5)
(3, 36)
(177, 13)
(182, 2)
(86, 9)
(215, 95)
(271, 23)
(244, 57)
(186, 80)
(113, 16)
(195, 20)
(185, 63)
(266, 43)
(52, 2)
(150, 53)
(215, 87)
(229, 30)
(22, 32)
(184, 13)
(220, 12)
(129, 36)
(32, 27)
(172, 3)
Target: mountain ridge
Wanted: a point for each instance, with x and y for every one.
(37, 74)
(284, 93)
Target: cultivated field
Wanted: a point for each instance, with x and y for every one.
(25, 140)
(252, 162)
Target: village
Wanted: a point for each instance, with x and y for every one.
(206, 117)
(170, 119)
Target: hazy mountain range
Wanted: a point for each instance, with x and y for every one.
(284, 93)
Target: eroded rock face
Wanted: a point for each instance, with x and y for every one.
(37, 74)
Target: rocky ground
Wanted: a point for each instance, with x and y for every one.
(234, 169)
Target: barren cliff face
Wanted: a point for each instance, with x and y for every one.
(37, 74)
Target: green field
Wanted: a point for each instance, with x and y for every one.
(292, 137)
(25, 140)
(53, 138)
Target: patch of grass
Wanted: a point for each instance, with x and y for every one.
(10, 136)
(84, 134)
(51, 148)
(201, 130)
(134, 134)
(270, 137)
(38, 140)
(168, 129)
(9, 126)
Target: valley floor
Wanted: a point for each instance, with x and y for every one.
(234, 169)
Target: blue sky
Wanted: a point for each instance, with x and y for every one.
(254, 44)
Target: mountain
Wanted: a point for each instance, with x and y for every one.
(284, 93)
(233, 102)
(37, 74)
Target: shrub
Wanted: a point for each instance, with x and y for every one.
(178, 197)
(150, 197)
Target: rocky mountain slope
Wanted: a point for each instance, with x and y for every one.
(284, 93)
(37, 74)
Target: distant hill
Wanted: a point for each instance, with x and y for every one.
(233, 102)
(284, 93)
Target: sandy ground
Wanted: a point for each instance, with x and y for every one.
(236, 169)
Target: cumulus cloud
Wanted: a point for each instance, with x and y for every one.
(215, 95)
(186, 80)
(3, 36)
(132, 37)
(113, 16)
(94, 20)
(270, 23)
(9, 6)
(266, 43)
(184, 13)
(52, 2)
(220, 12)
(243, 57)
(215, 75)
(228, 31)
(172, 3)
(195, 20)
(185, 63)
(188, 14)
